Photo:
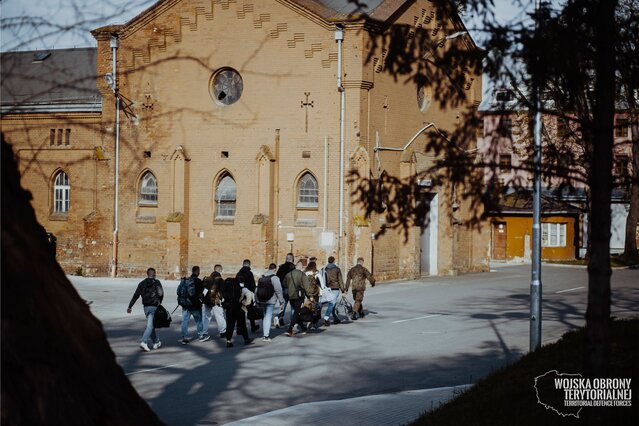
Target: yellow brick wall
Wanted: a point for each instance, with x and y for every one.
(83, 233)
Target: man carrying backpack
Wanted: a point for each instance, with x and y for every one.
(152, 294)
(245, 276)
(282, 271)
(189, 296)
(234, 294)
(268, 291)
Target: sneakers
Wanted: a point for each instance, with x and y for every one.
(229, 344)
(248, 342)
(157, 345)
(204, 338)
(326, 323)
(144, 347)
(266, 339)
(184, 341)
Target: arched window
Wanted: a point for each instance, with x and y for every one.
(307, 192)
(148, 189)
(61, 191)
(225, 196)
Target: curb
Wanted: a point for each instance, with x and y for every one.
(374, 410)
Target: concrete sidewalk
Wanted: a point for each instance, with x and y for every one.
(375, 410)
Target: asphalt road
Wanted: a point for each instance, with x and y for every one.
(436, 332)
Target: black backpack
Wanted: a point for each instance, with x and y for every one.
(162, 318)
(231, 292)
(186, 292)
(265, 289)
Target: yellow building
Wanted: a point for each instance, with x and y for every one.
(511, 229)
(240, 122)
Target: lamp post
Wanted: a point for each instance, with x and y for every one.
(535, 281)
(111, 80)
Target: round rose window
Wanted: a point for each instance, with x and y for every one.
(226, 86)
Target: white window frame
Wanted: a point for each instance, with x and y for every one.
(146, 194)
(307, 192)
(553, 234)
(225, 198)
(61, 193)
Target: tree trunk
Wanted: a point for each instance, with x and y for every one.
(57, 366)
(597, 355)
(630, 244)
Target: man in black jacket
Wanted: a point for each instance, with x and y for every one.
(281, 273)
(152, 294)
(232, 293)
(245, 277)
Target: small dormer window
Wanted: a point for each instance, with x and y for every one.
(40, 57)
(504, 96)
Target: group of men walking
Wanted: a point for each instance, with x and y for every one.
(229, 301)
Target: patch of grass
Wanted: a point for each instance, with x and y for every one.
(507, 396)
(623, 261)
(582, 262)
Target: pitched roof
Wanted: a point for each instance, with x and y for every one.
(520, 201)
(327, 10)
(61, 80)
(335, 10)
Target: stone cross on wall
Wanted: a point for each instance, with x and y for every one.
(147, 105)
(306, 104)
(386, 107)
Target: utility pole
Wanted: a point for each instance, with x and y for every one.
(535, 283)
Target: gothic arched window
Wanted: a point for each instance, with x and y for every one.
(61, 192)
(225, 198)
(307, 191)
(148, 189)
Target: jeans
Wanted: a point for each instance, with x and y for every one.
(149, 331)
(331, 306)
(209, 312)
(268, 318)
(197, 317)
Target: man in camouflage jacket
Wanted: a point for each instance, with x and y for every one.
(358, 276)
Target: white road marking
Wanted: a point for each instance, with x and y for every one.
(415, 319)
(152, 369)
(570, 289)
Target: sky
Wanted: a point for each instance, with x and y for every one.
(40, 24)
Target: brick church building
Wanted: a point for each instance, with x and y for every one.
(234, 120)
